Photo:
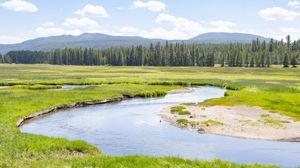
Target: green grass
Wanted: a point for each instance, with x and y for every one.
(182, 122)
(275, 89)
(180, 110)
(212, 122)
(274, 123)
(285, 102)
(36, 87)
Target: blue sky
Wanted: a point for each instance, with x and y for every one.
(169, 19)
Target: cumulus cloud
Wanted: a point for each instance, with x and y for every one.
(51, 29)
(93, 10)
(294, 3)
(181, 24)
(222, 23)
(12, 39)
(183, 28)
(128, 30)
(19, 6)
(81, 22)
(48, 24)
(160, 32)
(154, 6)
(278, 13)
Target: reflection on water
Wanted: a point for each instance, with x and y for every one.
(134, 127)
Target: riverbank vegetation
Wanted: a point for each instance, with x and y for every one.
(274, 88)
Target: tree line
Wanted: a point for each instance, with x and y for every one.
(255, 54)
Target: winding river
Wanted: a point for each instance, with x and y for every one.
(135, 127)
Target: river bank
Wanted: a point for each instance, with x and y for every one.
(238, 121)
(66, 106)
(86, 103)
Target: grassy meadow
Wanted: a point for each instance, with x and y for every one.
(275, 89)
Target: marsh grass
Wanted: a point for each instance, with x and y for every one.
(212, 122)
(180, 110)
(274, 123)
(182, 122)
(274, 89)
(36, 87)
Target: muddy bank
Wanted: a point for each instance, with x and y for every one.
(67, 106)
(238, 121)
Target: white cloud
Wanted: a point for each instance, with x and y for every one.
(48, 24)
(282, 32)
(222, 23)
(81, 23)
(55, 31)
(183, 28)
(19, 6)
(294, 3)
(154, 6)
(163, 33)
(92, 10)
(12, 39)
(167, 27)
(128, 30)
(278, 13)
(294, 32)
(181, 24)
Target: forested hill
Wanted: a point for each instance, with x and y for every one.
(255, 54)
(87, 40)
(97, 41)
(227, 38)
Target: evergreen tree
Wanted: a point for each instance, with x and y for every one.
(268, 61)
(288, 42)
(286, 61)
(246, 63)
(294, 62)
(252, 62)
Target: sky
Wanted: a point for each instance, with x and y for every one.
(21, 20)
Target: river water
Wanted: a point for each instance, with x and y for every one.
(135, 127)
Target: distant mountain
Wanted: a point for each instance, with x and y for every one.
(87, 40)
(226, 38)
(96, 40)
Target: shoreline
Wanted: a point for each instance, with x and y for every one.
(65, 107)
(238, 121)
(181, 90)
(84, 104)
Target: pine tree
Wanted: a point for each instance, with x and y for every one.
(246, 61)
(223, 61)
(286, 61)
(252, 62)
(288, 42)
(268, 61)
(294, 62)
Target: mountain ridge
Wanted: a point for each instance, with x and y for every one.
(98, 40)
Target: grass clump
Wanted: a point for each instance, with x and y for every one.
(248, 122)
(274, 123)
(182, 122)
(212, 122)
(180, 110)
(265, 115)
(36, 87)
